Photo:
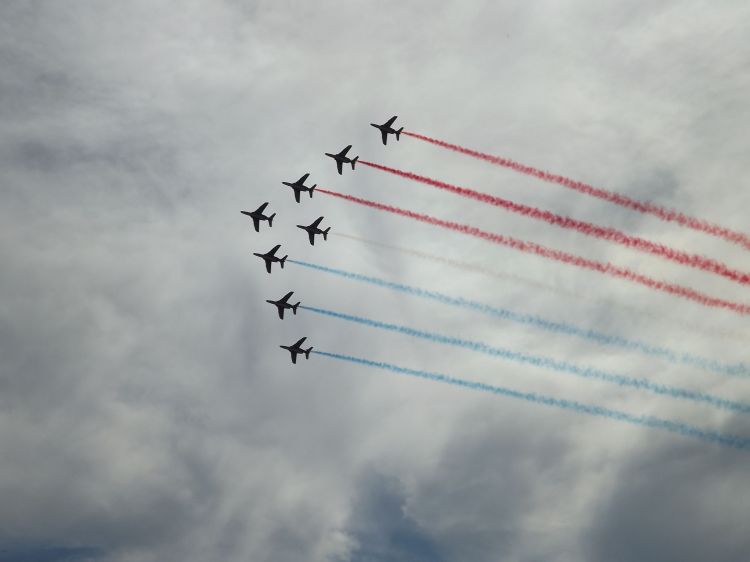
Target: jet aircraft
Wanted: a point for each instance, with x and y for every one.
(299, 186)
(296, 349)
(283, 304)
(341, 158)
(270, 256)
(257, 216)
(387, 128)
(312, 230)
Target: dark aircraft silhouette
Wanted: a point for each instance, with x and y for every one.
(283, 303)
(270, 256)
(257, 216)
(299, 186)
(341, 158)
(296, 350)
(312, 230)
(386, 128)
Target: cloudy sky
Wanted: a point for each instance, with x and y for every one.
(146, 412)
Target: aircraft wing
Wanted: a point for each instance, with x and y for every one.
(316, 223)
(294, 357)
(343, 152)
(300, 342)
(311, 236)
(303, 179)
(268, 265)
(274, 250)
(339, 163)
(262, 208)
(280, 310)
(285, 298)
(256, 222)
(390, 121)
(296, 194)
(384, 134)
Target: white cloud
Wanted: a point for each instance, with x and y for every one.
(145, 408)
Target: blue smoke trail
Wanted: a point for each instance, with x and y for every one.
(647, 421)
(660, 316)
(546, 362)
(738, 369)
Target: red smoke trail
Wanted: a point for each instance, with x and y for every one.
(532, 248)
(610, 234)
(645, 207)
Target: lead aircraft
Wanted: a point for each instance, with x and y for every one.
(387, 128)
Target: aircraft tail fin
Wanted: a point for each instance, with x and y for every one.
(325, 233)
(294, 308)
(282, 260)
(307, 352)
(313, 189)
(398, 133)
(270, 219)
(354, 161)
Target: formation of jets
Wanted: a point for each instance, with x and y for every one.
(270, 257)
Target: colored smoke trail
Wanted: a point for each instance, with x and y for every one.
(544, 362)
(644, 207)
(477, 268)
(458, 264)
(739, 369)
(557, 255)
(680, 428)
(586, 228)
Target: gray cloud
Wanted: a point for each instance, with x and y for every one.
(146, 412)
(380, 528)
(37, 553)
(663, 507)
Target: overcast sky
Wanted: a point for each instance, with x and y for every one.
(146, 411)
